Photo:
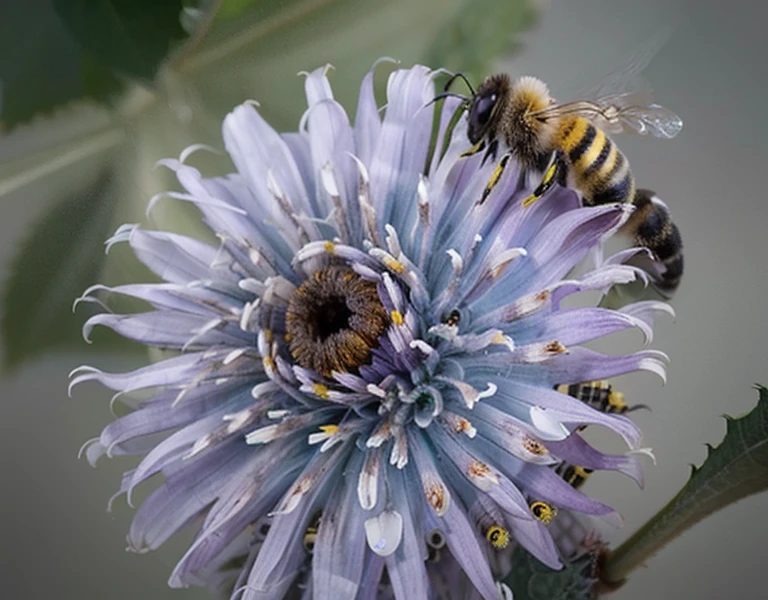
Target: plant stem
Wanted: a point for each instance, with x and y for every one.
(667, 524)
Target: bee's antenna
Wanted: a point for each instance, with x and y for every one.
(447, 95)
(461, 76)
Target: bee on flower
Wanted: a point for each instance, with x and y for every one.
(362, 400)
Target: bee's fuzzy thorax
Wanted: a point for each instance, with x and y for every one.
(528, 136)
(532, 93)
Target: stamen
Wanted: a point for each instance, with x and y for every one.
(482, 476)
(438, 496)
(367, 484)
(460, 424)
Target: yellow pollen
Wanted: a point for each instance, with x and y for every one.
(329, 429)
(330, 247)
(462, 425)
(320, 390)
(543, 511)
(397, 317)
(497, 536)
(268, 336)
(269, 363)
(394, 265)
(499, 338)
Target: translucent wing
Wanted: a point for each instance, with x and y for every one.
(609, 45)
(621, 113)
(627, 74)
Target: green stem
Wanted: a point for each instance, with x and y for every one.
(643, 544)
(676, 517)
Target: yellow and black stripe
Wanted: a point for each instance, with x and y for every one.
(600, 170)
(572, 474)
(597, 394)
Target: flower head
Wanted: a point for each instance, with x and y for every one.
(363, 389)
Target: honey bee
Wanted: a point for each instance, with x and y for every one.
(568, 143)
(572, 474)
(599, 395)
(310, 534)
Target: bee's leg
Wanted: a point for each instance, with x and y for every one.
(552, 174)
(479, 147)
(491, 152)
(495, 176)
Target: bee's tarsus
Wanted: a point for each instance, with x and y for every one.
(495, 176)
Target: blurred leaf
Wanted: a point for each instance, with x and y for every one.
(735, 469)
(533, 580)
(479, 33)
(249, 49)
(300, 35)
(233, 8)
(59, 258)
(41, 66)
(129, 36)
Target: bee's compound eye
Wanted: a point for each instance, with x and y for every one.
(481, 110)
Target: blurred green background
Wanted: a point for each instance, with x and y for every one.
(71, 171)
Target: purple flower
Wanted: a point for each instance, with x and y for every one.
(362, 391)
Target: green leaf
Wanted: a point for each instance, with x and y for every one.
(255, 55)
(129, 36)
(41, 65)
(533, 580)
(234, 8)
(735, 469)
(461, 46)
(55, 263)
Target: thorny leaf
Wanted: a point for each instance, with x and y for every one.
(735, 469)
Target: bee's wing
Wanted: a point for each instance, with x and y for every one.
(637, 113)
(621, 113)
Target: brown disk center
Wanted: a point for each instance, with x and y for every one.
(333, 321)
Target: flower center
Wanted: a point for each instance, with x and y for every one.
(334, 320)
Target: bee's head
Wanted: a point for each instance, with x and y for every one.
(486, 106)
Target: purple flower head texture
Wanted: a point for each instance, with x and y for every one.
(361, 400)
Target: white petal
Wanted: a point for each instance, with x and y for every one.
(549, 427)
(384, 532)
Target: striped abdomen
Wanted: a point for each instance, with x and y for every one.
(600, 171)
(652, 227)
(602, 174)
(597, 394)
